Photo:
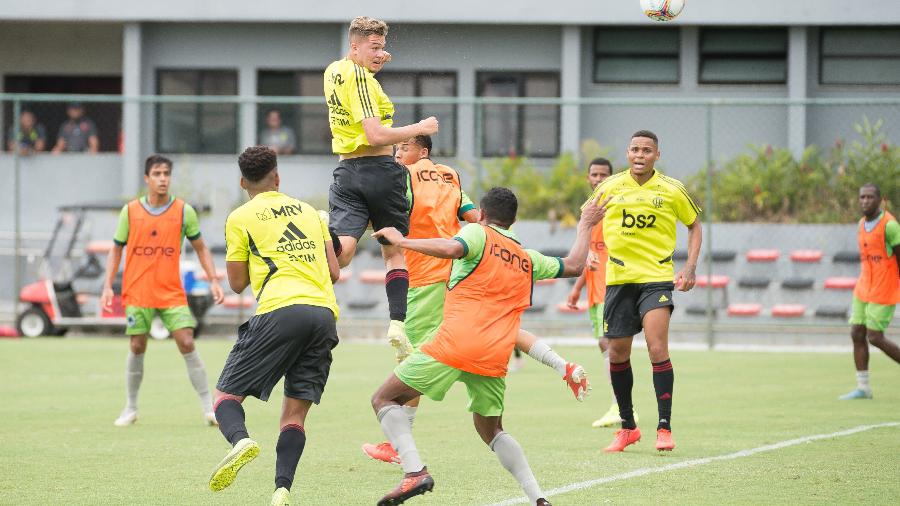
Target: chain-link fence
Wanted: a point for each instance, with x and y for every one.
(777, 180)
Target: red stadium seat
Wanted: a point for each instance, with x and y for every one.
(788, 310)
(562, 307)
(550, 281)
(372, 276)
(744, 309)
(99, 247)
(236, 301)
(806, 255)
(717, 281)
(762, 255)
(220, 274)
(840, 283)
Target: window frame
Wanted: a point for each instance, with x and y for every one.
(417, 90)
(596, 54)
(703, 57)
(260, 116)
(481, 77)
(198, 107)
(822, 56)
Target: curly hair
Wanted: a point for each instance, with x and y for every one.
(363, 26)
(256, 162)
(500, 205)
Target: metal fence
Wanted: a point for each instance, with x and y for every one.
(771, 174)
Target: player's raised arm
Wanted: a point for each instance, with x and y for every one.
(381, 135)
(591, 214)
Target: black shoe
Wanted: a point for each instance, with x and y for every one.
(413, 484)
(543, 502)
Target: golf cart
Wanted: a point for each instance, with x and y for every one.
(65, 297)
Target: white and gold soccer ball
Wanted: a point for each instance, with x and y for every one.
(662, 10)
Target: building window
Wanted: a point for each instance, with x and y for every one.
(307, 123)
(743, 56)
(424, 84)
(192, 127)
(531, 130)
(636, 55)
(860, 56)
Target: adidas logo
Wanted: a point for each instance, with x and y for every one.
(293, 239)
(663, 298)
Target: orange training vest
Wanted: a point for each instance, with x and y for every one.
(483, 312)
(436, 197)
(595, 272)
(879, 277)
(152, 275)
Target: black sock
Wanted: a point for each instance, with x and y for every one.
(230, 415)
(335, 242)
(663, 383)
(396, 284)
(622, 382)
(287, 454)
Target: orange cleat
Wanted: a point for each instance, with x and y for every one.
(624, 437)
(664, 442)
(383, 452)
(413, 484)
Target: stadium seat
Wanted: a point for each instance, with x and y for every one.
(753, 282)
(537, 307)
(99, 247)
(723, 255)
(562, 307)
(788, 310)
(832, 312)
(699, 310)
(762, 255)
(744, 309)
(846, 257)
(372, 276)
(680, 255)
(220, 274)
(798, 283)
(717, 281)
(840, 283)
(362, 304)
(806, 255)
(237, 301)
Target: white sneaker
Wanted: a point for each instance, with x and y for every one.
(211, 419)
(128, 417)
(396, 335)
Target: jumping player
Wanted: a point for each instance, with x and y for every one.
(281, 247)
(878, 290)
(639, 232)
(438, 203)
(489, 288)
(154, 228)
(594, 277)
(369, 185)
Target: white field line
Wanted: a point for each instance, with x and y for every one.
(644, 471)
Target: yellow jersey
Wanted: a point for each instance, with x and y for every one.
(352, 94)
(639, 226)
(283, 240)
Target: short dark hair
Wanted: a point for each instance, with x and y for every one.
(423, 141)
(256, 162)
(501, 206)
(648, 134)
(601, 161)
(874, 187)
(156, 160)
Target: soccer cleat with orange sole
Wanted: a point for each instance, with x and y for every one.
(664, 441)
(383, 452)
(413, 484)
(577, 380)
(624, 437)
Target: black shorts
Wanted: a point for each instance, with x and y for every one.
(625, 306)
(293, 342)
(368, 188)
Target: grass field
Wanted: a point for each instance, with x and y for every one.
(58, 398)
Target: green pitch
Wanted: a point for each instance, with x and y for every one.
(58, 445)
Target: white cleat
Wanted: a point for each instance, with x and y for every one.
(396, 335)
(128, 417)
(211, 419)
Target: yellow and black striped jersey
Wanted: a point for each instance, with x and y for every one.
(352, 94)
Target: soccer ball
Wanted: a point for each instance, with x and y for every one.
(662, 10)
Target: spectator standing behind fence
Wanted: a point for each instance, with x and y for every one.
(278, 137)
(32, 135)
(78, 133)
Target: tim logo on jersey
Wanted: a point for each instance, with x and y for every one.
(637, 220)
(510, 259)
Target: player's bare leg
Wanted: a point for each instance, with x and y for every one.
(861, 361)
(396, 284)
(573, 374)
(184, 339)
(656, 333)
(291, 441)
(230, 414)
(622, 379)
(510, 455)
(876, 338)
(134, 374)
